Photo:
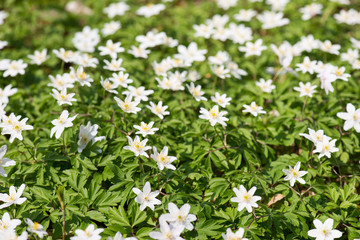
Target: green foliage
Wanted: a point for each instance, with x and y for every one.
(95, 186)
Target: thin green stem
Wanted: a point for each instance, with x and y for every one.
(62, 66)
(277, 73)
(223, 142)
(303, 108)
(64, 142)
(32, 155)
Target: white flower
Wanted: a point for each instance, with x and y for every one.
(90, 233)
(162, 159)
(158, 109)
(115, 9)
(87, 133)
(294, 174)
(308, 43)
(351, 117)
(60, 82)
(13, 197)
(246, 199)
(146, 198)
(218, 21)
(151, 39)
(121, 79)
(138, 147)
(111, 49)
(313, 136)
(220, 71)
(326, 79)
(203, 30)
(245, 15)
(233, 236)
(109, 85)
(63, 97)
(305, 89)
(118, 236)
(221, 34)
(326, 147)
(3, 44)
(272, 19)
(221, 100)
(14, 127)
(220, 58)
(306, 66)
(114, 65)
(139, 52)
(167, 232)
(66, 56)
(254, 109)
(350, 56)
(239, 33)
(350, 16)
(327, 46)
(6, 93)
(82, 77)
(214, 115)
(150, 10)
(339, 72)
(86, 60)
(180, 217)
(110, 28)
(5, 162)
(168, 41)
(39, 57)
(196, 92)
(139, 93)
(324, 230)
(235, 70)
(35, 227)
(226, 4)
(355, 43)
(87, 39)
(276, 5)
(191, 53)
(61, 123)
(14, 68)
(4, 63)
(164, 66)
(128, 105)
(145, 129)
(266, 86)
(11, 235)
(3, 16)
(310, 10)
(251, 49)
(6, 224)
(283, 51)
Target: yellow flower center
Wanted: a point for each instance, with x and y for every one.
(82, 76)
(36, 226)
(164, 159)
(126, 106)
(17, 127)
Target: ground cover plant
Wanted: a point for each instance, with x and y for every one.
(179, 119)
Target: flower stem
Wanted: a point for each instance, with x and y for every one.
(64, 142)
(141, 164)
(277, 73)
(303, 108)
(62, 66)
(32, 155)
(223, 142)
